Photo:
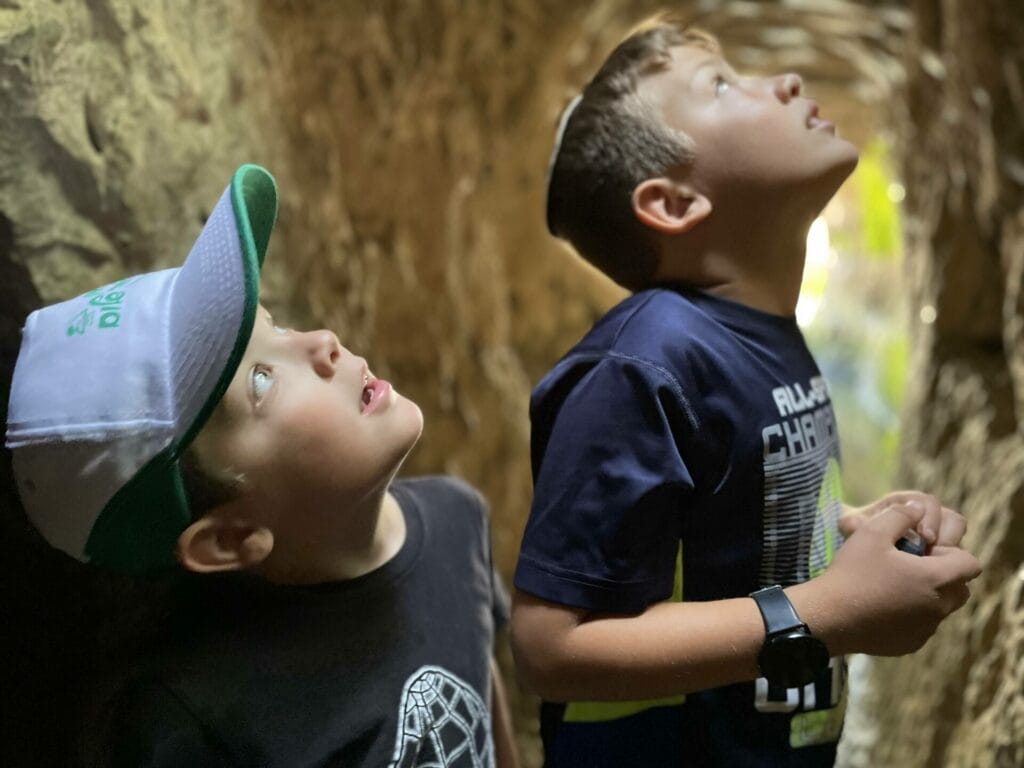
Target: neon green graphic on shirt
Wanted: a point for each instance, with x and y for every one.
(823, 542)
(603, 711)
(819, 727)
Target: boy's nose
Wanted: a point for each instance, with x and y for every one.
(324, 351)
(788, 86)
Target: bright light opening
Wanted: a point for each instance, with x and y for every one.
(819, 260)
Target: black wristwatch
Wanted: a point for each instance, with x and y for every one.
(791, 656)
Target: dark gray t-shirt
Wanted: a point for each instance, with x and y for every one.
(388, 669)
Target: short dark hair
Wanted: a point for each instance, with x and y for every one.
(612, 141)
(204, 489)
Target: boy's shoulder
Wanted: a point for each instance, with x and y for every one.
(659, 328)
(456, 531)
(442, 500)
(647, 324)
(440, 489)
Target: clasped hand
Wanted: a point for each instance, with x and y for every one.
(939, 527)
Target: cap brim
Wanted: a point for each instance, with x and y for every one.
(212, 311)
(214, 301)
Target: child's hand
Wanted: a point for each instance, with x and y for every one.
(886, 602)
(939, 526)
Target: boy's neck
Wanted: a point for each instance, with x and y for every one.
(755, 263)
(366, 538)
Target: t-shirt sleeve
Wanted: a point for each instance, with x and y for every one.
(610, 482)
(150, 727)
(468, 498)
(500, 603)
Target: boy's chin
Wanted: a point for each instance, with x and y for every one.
(838, 172)
(412, 429)
(415, 423)
(847, 161)
(852, 160)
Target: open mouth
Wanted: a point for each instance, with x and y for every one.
(374, 396)
(813, 121)
(825, 125)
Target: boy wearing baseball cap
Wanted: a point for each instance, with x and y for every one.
(345, 618)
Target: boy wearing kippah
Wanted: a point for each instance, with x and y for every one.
(345, 618)
(681, 595)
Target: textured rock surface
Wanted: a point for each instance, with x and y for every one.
(409, 141)
(960, 701)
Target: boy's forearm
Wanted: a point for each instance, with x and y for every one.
(872, 599)
(669, 649)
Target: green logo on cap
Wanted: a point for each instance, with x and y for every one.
(104, 309)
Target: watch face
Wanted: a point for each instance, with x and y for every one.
(792, 659)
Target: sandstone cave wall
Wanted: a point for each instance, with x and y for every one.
(959, 702)
(409, 141)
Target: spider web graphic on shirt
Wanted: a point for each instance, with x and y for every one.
(442, 723)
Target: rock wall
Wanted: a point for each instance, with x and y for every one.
(960, 700)
(409, 141)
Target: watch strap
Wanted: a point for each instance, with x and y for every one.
(776, 610)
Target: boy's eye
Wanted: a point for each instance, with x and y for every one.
(260, 382)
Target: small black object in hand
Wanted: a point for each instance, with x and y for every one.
(912, 543)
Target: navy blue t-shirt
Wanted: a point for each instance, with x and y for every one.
(685, 448)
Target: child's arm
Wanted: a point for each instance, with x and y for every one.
(872, 599)
(505, 754)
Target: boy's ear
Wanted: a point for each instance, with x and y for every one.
(214, 543)
(668, 206)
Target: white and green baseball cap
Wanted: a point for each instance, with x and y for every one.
(110, 388)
